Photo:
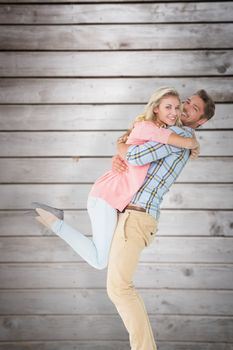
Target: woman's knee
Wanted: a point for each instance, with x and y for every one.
(101, 265)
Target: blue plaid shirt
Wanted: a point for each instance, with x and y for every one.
(166, 164)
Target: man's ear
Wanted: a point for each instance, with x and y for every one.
(202, 121)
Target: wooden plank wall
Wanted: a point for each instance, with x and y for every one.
(73, 77)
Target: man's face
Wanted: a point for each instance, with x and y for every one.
(193, 110)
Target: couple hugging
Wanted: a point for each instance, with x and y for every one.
(124, 203)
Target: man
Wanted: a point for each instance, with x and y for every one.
(138, 223)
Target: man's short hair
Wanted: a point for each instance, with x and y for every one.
(209, 108)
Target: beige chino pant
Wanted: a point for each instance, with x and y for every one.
(135, 230)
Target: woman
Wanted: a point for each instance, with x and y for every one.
(113, 191)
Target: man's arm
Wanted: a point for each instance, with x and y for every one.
(146, 153)
(154, 151)
(149, 152)
(137, 155)
(143, 154)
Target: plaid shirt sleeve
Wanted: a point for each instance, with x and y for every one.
(152, 151)
(147, 153)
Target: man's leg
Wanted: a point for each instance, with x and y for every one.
(134, 231)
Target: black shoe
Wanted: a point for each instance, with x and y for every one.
(57, 212)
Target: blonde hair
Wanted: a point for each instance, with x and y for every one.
(154, 102)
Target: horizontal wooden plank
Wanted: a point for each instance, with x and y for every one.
(115, 90)
(88, 117)
(56, 144)
(81, 275)
(115, 37)
(209, 194)
(208, 139)
(54, 170)
(79, 117)
(209, 250)
(181, 196)
(97, 64)
(69, 170)
(93, 143)
(171, 223)
(108, 345)
(163, 249)
(77, 1)
(177, 328)
(78, 345)
(84, 302)
(124, 13)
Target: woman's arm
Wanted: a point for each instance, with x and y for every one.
(147, 131)
(122, 147)
(153, 150)
(183, 142)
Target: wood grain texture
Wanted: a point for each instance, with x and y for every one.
(115, 37)
(171, 223)
(115, 90)
(91, 144)
(84, 170)
(180, 196)
(77, 1)
(84, 302)
(163, 249)
(148, 275)
(74, 75)
(89, 117)
(115, 13)
(108, 345)
(197, 328)
(114, 64)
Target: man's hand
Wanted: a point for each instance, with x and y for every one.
(118, 164)
(195, 152)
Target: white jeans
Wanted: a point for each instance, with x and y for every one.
(103, 221)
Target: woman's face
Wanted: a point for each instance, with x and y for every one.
(168, 110)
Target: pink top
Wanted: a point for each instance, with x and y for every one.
(118, 189)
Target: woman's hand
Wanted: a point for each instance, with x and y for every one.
(118, 164)
(124, 137)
